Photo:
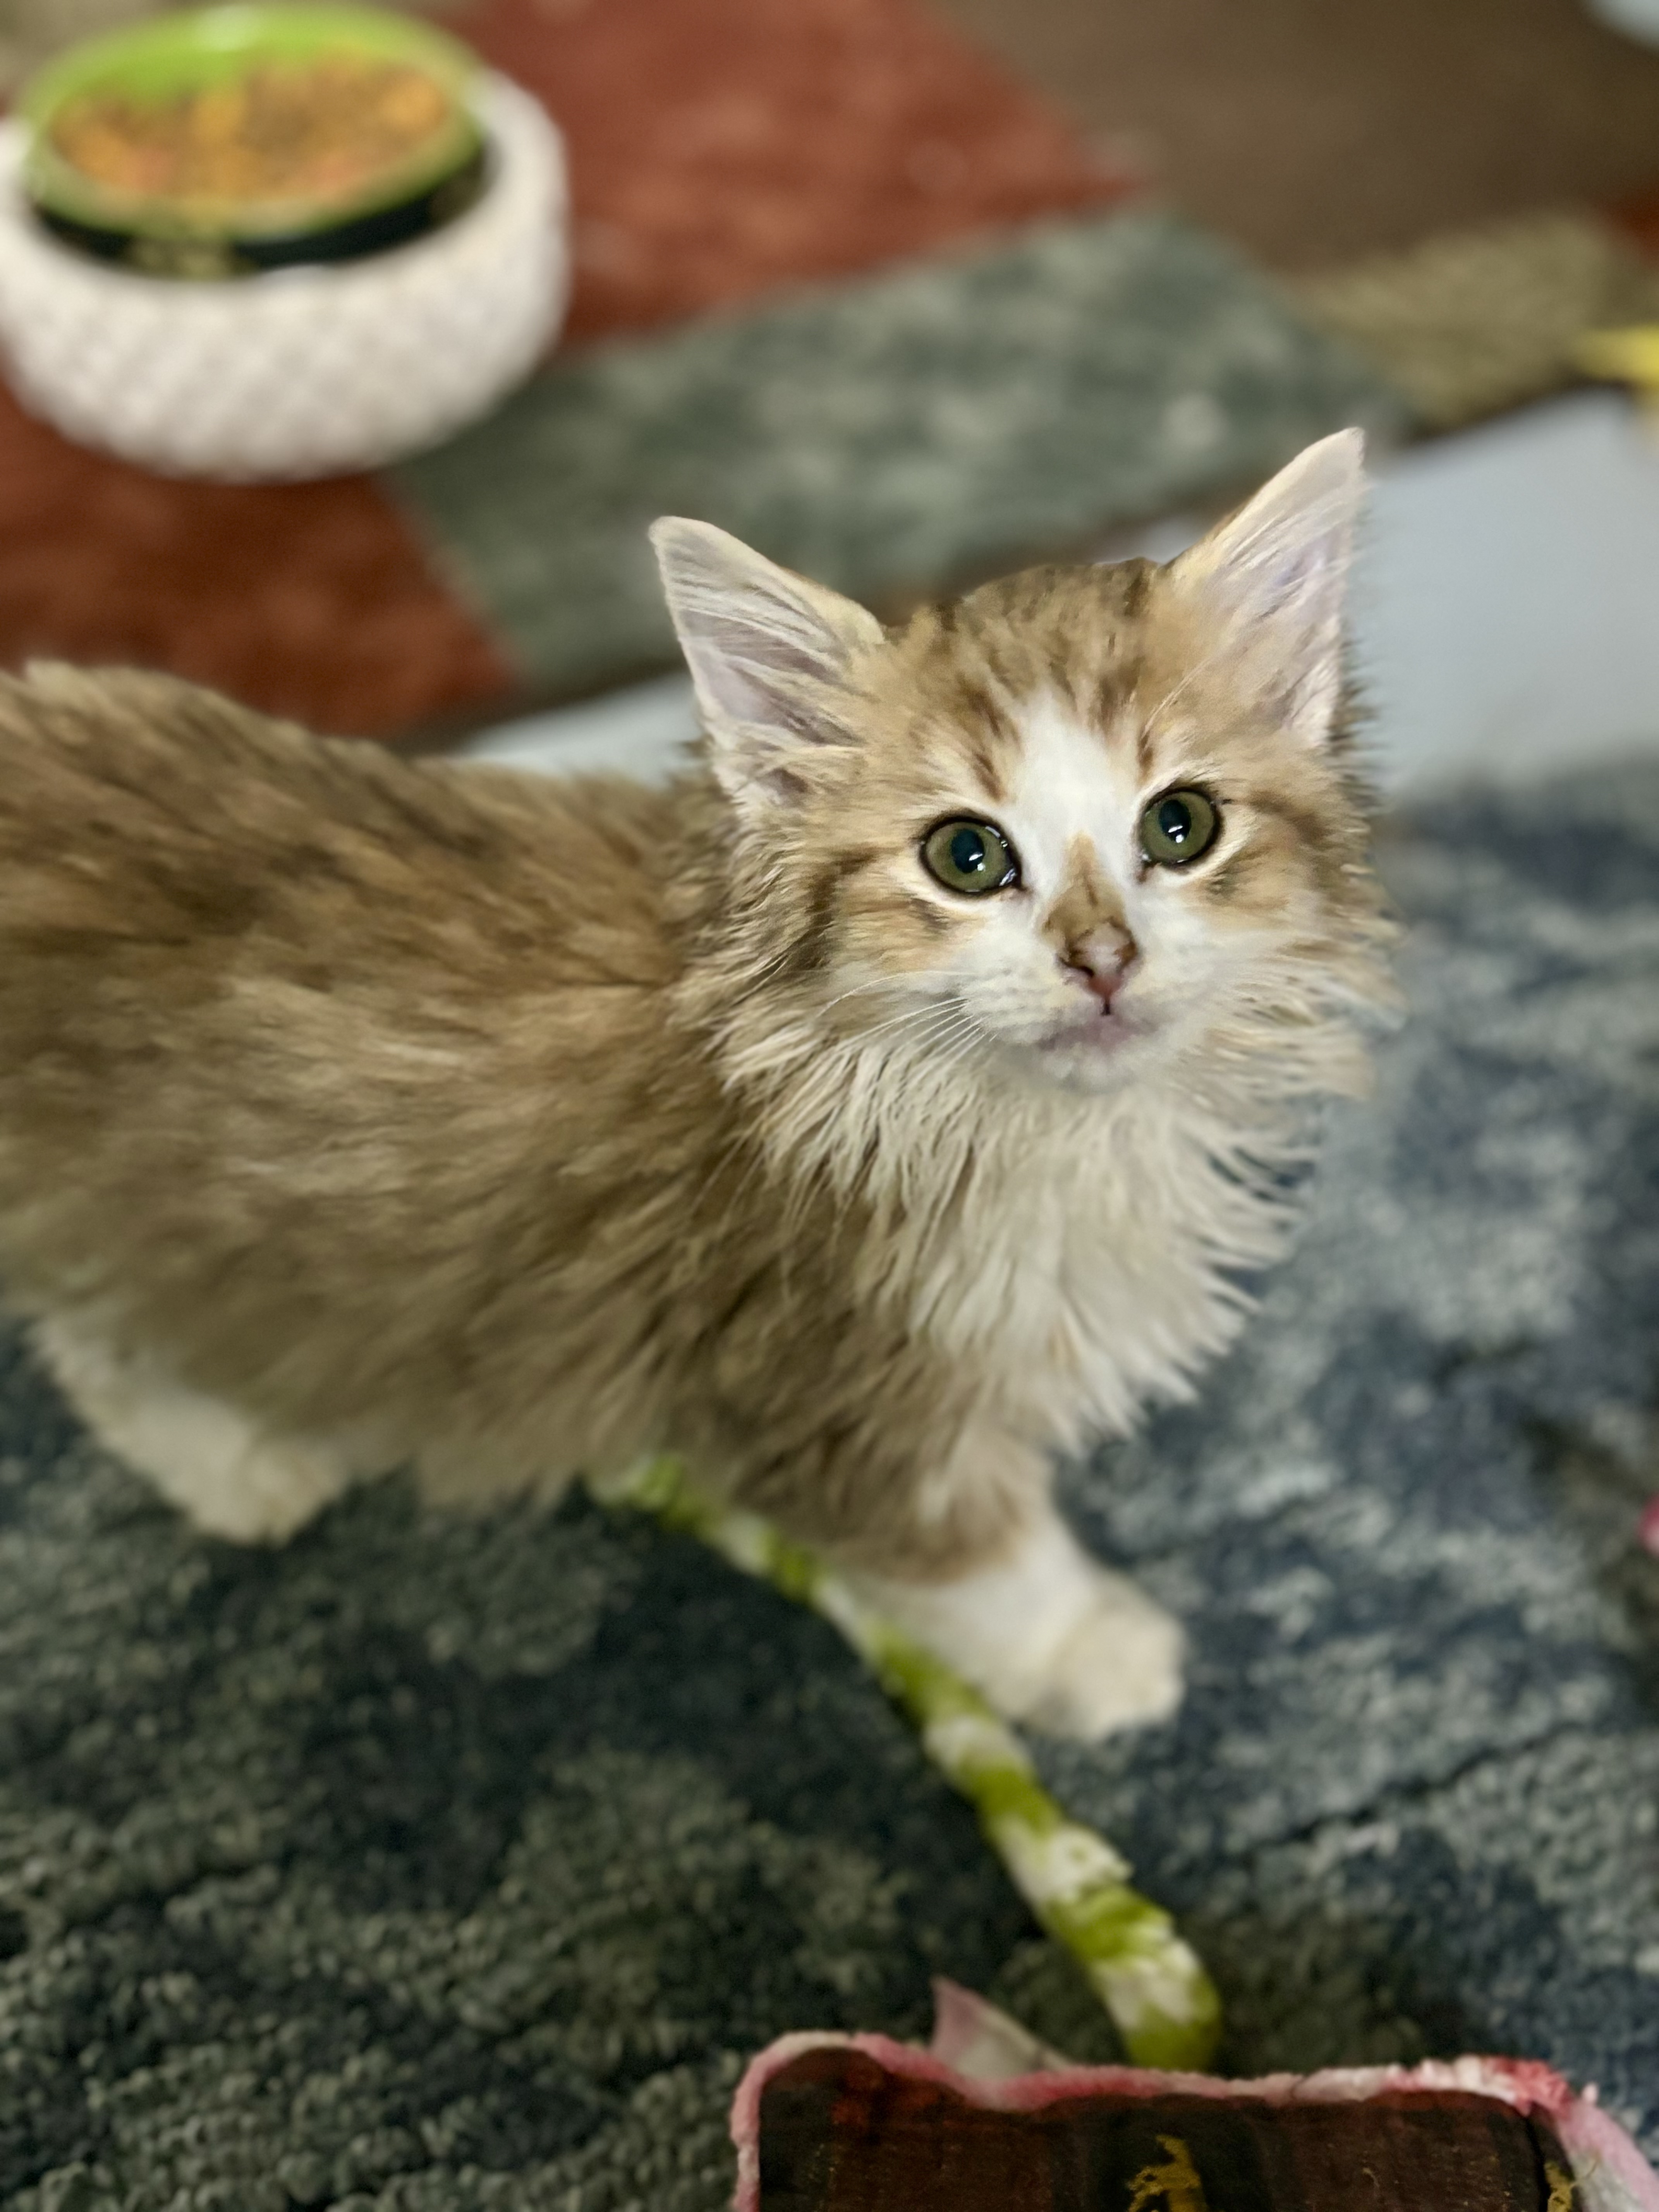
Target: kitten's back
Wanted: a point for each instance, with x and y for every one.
(291, 1029)
(135, 808)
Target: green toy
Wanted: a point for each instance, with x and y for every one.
(1161, 2001)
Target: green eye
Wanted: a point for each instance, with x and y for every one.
(1177, 828)
(971, 857)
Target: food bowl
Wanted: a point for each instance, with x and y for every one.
(229, 140)
(342, 356)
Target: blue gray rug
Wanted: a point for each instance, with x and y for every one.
(422, 1867)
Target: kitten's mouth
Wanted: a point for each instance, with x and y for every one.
(1102, 1031)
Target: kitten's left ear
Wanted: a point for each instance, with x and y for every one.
(769, 652)
(1274, 575)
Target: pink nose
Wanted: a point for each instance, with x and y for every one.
(1101, 970)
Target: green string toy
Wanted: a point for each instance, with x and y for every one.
(1160, 1999)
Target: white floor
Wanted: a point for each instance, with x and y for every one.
(1506, 611)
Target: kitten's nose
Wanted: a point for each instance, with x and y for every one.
(1102, 966)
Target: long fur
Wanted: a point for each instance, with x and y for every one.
(508, 1127)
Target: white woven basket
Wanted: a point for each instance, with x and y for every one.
(302, 372)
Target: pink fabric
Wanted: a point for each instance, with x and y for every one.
(1613, 2174)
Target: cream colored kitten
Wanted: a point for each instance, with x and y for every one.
(880, 1108)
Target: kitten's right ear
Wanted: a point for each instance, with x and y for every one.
(769, 652)
(1273, 578)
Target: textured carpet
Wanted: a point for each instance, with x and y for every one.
(421, 1868)
(944, 422)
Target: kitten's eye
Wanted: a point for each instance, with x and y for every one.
(972, 857)
(1177, 828)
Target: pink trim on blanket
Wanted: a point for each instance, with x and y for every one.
(1589, 2138)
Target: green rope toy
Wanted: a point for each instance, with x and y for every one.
(1161, 2001)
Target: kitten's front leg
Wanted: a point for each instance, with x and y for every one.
(208, 1457)
(1046, 1634)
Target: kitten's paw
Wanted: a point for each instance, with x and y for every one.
(258, 1491)
(206, 1457)
(1120, 1666)
(1049, 1637)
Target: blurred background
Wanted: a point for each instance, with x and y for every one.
(910, 294)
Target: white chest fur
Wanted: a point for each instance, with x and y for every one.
(1081, 1264)
(1073, 1253)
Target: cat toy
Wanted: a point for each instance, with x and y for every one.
(1160, 1999)
(987, 2120)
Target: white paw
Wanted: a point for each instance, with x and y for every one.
(1120, 1666)
(1048, 1636)
(207, 1457)
(245, 1490)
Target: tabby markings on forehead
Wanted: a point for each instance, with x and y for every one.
(1095, 685)
(986, 729)
(983, 761)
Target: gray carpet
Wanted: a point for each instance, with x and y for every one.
(942, 420)
(429, 1868)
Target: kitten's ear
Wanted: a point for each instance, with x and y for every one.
(768, 653)
(1275, 574)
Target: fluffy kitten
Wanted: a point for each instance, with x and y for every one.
(874, 1111)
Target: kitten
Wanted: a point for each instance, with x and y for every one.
(879, 1109)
